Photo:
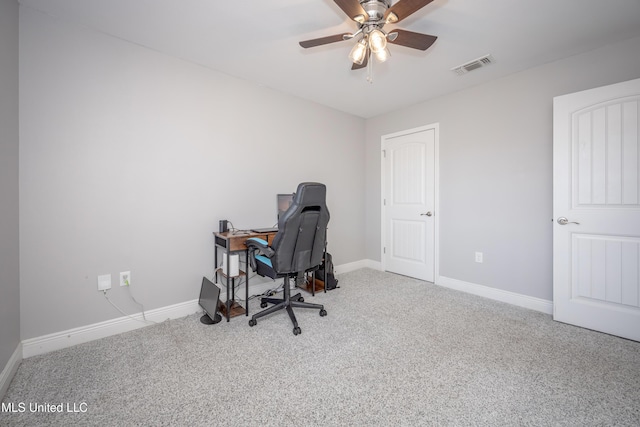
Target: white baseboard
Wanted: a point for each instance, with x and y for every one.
(9, 370)
(525, 301)
(83, 334)
(350, 266)
(375, 265)
(71, 337)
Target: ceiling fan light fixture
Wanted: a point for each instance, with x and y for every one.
(360, 19)
(371, 17)
(391, 18)
(358, 52)
(377, 41)
(383, 55)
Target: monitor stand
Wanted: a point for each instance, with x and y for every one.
(209, 321)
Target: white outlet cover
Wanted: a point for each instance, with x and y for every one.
(104, 282)
(122, 276)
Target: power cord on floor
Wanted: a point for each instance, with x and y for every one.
(144, 319)
(240, 281)
(141, 306)
(268, 292)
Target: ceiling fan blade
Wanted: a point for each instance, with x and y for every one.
(355, 66)
(404, 8)
(323, 40)
(413, 40)
(352, 8)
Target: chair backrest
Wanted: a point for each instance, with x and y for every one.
(300, 241)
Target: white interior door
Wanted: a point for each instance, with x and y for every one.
(409, 203)
(596, 237)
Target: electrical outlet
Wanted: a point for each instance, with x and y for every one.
(104, 282)
(125, 278)
(479, 257)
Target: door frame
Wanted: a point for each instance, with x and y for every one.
(436, 209)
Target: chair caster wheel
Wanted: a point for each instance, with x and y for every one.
(297, 330)
(301, 299)
(253, 322)
(323, 312)
(263, 305)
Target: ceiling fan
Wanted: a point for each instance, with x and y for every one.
(371, 16)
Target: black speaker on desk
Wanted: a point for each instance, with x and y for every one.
(224, 226)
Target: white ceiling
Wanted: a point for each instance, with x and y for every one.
(258, 41)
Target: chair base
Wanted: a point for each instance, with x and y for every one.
(286, 303)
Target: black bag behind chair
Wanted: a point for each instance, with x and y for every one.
(327, 264)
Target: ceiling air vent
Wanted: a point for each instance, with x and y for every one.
(472, 65)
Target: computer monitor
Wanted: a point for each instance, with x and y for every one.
(210, 302)
(284, 201)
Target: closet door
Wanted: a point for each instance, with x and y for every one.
(409, 203)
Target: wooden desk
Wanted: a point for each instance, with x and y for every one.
(234, 242)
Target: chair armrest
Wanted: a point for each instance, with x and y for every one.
(258, 246)
(257, 242)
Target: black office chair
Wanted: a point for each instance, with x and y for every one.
(298, 247)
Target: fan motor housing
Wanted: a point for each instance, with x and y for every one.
(375, 8)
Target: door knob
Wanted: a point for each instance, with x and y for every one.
(564, 221)
(427, 214)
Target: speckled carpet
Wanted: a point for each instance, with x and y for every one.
(392, 351)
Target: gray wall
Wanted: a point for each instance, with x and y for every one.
(496, 168)
(9, 243)
(128, 159)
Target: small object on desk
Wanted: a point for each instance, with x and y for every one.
(224, 227)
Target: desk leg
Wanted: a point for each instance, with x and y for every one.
(215, 264)
(246, 283)
(324, 258)
(228, 300)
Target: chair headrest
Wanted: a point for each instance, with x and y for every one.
(310, 194)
